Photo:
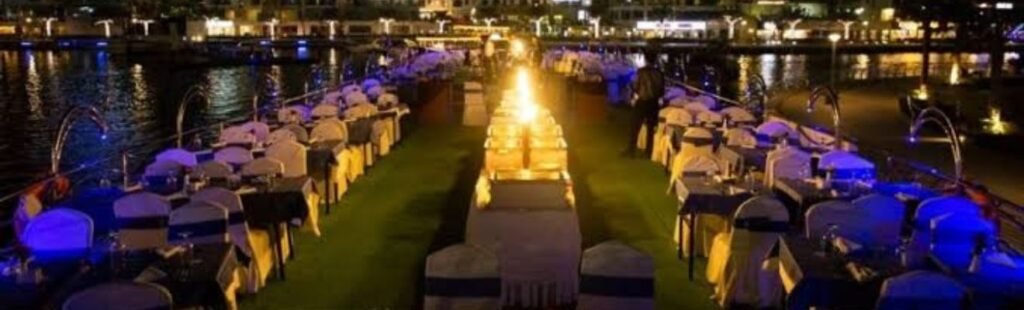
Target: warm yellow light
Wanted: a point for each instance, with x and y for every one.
(922, 92)
(525, 106)
(518, 48)
(954, 74)
(995, 122)
(834, 37)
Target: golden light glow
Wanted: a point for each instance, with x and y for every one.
(525, 105)
(995, 123)
(954, 74)
(922, 92)
(518, 48)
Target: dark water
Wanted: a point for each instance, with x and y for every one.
(138, 97)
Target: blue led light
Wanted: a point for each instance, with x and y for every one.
(101, 44)
(264, 42)
(302, 42)
(26, 43)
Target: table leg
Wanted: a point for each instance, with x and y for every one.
(327, 187)
(291, 243)
(679, 247)
(693, 233)
(276, 230)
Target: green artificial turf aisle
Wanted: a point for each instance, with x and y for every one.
(624, 198)
(374, 243)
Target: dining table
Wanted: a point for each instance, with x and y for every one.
(815, 278)
(706, 195)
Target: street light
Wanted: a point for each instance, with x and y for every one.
(489, 21)
(596, 23)
(846, 28)
(49, 25)
(732, 24)
(440, 25)
(330, 29)
(834, 38)
(386, 22)
(791, 27)
(270, 25)
(106, 26)
(537, 24)
(145, 25)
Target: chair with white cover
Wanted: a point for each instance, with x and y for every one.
(325, 110)
(181, 156)
(956, 236)
(673, 120)
(387, 101)
(370, 83)
(258, 129)
(60, 234)
(253, 243)
(922, 290)
(233, 155)
(281, 134)
(462, 276)
(786, 162)
(295, 114)
(356, 98)
(264, 166)
(334, 130)
(374, 92)
(917, 249)
(740, 137)
(611, 265)
(737, 115)
(696, 141)
(739, 265)
(350, 89)
(769, 131)
(301, 135)
(329, 130)
(845, 217)
(213, 169)
(237, 135)
(292, 155)
(846, 166)
(142, 220)
(708, 225)
(199, 222)
(884, 217)
(709, 118)
(162, 176)
(121, 296)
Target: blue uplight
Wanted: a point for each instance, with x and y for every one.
(302, 42)
(103, 137)
(26, 43)
(264, 42)
(101, 44)
(912, 139)
(64, 43)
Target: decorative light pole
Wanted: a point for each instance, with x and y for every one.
(832, 100)
(440, 25)
(145, 25)
(834, 38)
(791, 28)
(489, 21)
(330, 28)
(732, 25)
(106, 26)
(386, 22)
(271, 27)
(934, 115)
(537, 24)
(69, 119)
(49, 25)
(595, 22)
(846, 28)
(192, 93)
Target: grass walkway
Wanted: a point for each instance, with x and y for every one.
(414, 202)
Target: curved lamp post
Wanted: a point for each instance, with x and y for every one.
(145, 25)
(537, 23)
(489, 21)
(387, 24)
(832, 100)
(69, 119)
(440, 25)
(330, 30)
(49, 25)
(106, 26)
(732, 24)
(596, 23)
(936, 116)
(189, 96)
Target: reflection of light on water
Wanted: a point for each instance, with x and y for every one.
(994, 124)
(768, 64)
(954, 74)
(921, 93)
(333, 57)
(744, 63)
(33, 86)
(141, 89)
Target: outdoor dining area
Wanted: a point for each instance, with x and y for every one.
(202, 222)
(792, 216)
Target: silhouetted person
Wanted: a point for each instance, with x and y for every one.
(648, 88)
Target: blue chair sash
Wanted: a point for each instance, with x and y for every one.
(199, 229)
(617, 286)
(761, 224)
(697, 141)
(462, 287)
(148, 222)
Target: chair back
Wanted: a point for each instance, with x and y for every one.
(142, 220)
(121, 296)
(258, 129)
(387, 100)
(355, 98)
(281, 134)
(181, 156)
(840, 213)
(237, 135)
(328, 130)
(462, 276)
(264, 166)
(213, 169)
(701, 164)
(350, 89)
(956, 237)
(922, 290)
(292, 155)
(164, 168)
(60, 234)
(676, 116)
(846, 165)
(360, 110)
(295, 114)
(769, 131)
(930, 209)
(325, 110)
(374, 92)
(741, 137)
(756, 228)
(614, 275)
(238, 229)
(233, 155)
(301, 135)
(788, 162)
(370, 83)
(696, 141)
(884, 218)
(709, 118)
(739, 115)
(204, 222)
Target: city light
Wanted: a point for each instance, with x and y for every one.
(834, 37)
(994, 122)
(145, 25)
(517, 48)
(49, 25)
(106, 26)
(386, 22)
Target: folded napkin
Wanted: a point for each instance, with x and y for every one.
(846, 246)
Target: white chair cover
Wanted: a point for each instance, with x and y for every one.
(615, 276)
(737, 264)
(214, 169)
(955, 236)
(360, 110)
(921, 290)
(258, 129)
(846, 164)
(673, 92)
(301, 135)
(787, 162)
(325, 110)
(709, 118)
(884, 218)
(695, 107)
(374, 92)
(263, 167)
(281, 134)
(142, 220)
(253, 243)
(696, 141)
(356, 98)
(59, 234)
(843, 214)
(920, 239)
(775, 130)
(370, 83)
(673, 118)
(181, 156)
(295, 114)
(328, 130)
(677, 116)
(206, 222)
(333, 97)
(462, 276)
(387, 100)
(163, 168)
(292, 155)
(233, 155)
(738, 115)
(741, 137)
(350, 89)
(237, 135)
(121, 296)
(708, 225)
